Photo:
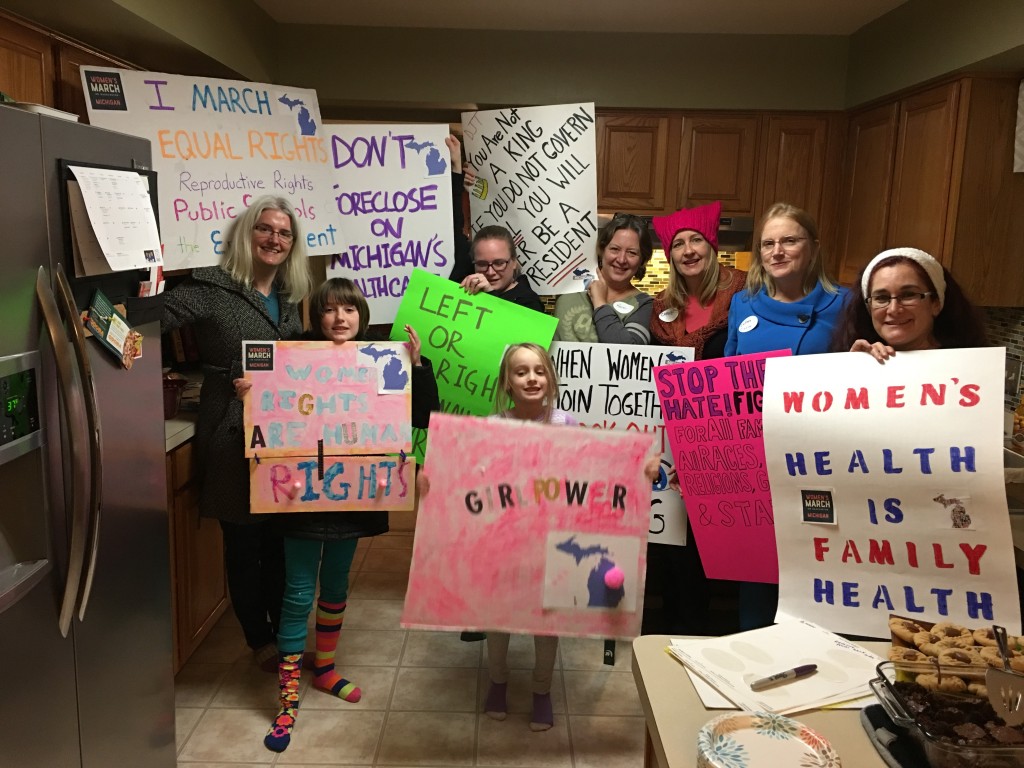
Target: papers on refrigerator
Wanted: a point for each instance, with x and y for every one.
(732, 662)
(113, 221)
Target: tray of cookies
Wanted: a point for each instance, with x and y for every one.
(947, 656)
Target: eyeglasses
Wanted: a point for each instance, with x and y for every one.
(788, 244)
(498, 265)
(285, 234)
(908, 299)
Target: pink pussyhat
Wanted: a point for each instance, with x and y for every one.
(703, 219)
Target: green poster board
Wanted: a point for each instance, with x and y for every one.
(465, 336)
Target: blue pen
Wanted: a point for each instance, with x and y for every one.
(783, 677)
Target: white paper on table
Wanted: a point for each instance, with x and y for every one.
(732, 662)
(121, 213)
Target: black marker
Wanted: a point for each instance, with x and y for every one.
(783, 677)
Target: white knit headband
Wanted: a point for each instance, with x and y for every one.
(928, 263)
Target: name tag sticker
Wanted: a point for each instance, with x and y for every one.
(749, 323)
(668, 315)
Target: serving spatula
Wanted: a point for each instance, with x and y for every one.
(1005, 687)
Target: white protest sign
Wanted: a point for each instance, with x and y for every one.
(610, 386)
(537, 177)
(393, 205)
(887, 486)
(218, 145)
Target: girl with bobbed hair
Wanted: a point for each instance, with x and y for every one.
(908, 301)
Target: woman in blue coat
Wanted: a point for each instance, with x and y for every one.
(789, 303)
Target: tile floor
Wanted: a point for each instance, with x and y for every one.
(422, 693)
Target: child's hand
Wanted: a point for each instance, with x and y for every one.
(414, 346)
(652, 467)
(242, 388)
(422, 485)
(454, 152)
(673, 481)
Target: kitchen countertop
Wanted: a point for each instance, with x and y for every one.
(180, 429)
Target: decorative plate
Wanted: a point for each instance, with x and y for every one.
(754, 739)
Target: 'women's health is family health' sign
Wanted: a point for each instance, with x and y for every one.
(393, 199)
(887, 483)
(521, 526)
(537, 177)
(611, 386)
(218, 145)
(712, 411)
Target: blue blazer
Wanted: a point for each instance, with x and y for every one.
(759, 323)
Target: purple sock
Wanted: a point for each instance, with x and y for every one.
(542, 717)
(496, 703)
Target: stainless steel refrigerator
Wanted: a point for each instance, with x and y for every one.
(85, 616)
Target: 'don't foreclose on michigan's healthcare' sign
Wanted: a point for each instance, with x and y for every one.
(393, 198)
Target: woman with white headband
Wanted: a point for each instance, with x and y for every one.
(908, 302)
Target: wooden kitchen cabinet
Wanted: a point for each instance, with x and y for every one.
(718, 161)
(793, 156)
(26, 63)
(199, 595)
(70, 60)
(867, 183)
(637, 162)
(922, 170)
(934, 170)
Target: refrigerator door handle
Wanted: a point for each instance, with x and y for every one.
(92, 415)
(72, 404)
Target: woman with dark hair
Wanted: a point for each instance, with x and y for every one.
(612, 310)
(693, 310)
(909, 302)
(493, 252)
(253, 295)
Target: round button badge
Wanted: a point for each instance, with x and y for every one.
(749, 323)
(622, 307)
(668, 315)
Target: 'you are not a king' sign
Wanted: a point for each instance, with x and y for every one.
(537, 177)
(887, 484)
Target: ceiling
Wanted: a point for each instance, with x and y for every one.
(767, 17)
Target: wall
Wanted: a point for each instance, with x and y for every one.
(501, 68)
(924, 39)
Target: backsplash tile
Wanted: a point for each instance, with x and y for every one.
(1005, 326)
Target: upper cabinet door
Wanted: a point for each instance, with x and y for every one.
(793, 160)
(717, 162)
(26, 63)
(636, 162)
(867, 180)
(923, 170)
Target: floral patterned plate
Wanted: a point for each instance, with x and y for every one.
(753, 739)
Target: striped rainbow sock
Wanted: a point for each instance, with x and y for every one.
(329, 617)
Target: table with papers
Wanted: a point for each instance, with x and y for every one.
(675, 713)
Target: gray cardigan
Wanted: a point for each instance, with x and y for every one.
(224, 313)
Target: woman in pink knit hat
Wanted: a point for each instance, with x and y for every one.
(694, 310)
